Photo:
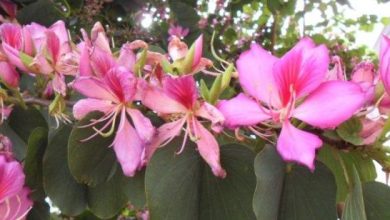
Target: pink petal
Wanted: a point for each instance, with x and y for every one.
(53, 45)
(302, 69)
(62, 34)
(38, 35)
(182, 89)
(371, 130)
(331, 104)
(102, 42)
(127, 57)
(17, 206)
(12, 178)
(297, 145)
(85, 106)
(41, 65)
(384, 62)
(164, 133)
(9, 7)
(11, 34)
(128, 147)
(198, 51)
(142, 124)
(157, 100)
(255, 67)
(101, 62)
(84, 63)
(177, 49)
(122, 83)
(8, 74)
(242, 111)
(211, 113)
(96, 29)
(13, 57)
(337, 72)
(59, 84)
(208, 148)
(94, 88)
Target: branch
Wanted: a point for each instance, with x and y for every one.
(44, 102)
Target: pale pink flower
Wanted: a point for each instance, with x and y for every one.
(371, 130)
(178, 52)
(14, 201)
(292, 86)
(364, 75)
(177, 99)
(177, 31)
(48, 49)
(113, 95)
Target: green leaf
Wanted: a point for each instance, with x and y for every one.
(183, 187)
(349, 131)
(134, 188)
(297, 194)
(335, 160)
(43, 12)
(93, 161)
(376, 200)
(68, 195)
(354, 205)
(39, 211)
(33, 163)
(270, 172)
(19, 146)
(24, 121)
(106, 199)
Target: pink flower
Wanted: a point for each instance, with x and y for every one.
(371, 130)
(188, 61)
(14, 201)
(384, 62)
(291, 87)
(364, 75)
(177, 31)
(45, 51)
(113, 95)
(178, 101)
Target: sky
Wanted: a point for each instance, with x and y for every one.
(359, 8)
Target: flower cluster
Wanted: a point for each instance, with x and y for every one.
(14, 201)
(280, 97)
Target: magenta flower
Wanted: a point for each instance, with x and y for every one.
(14, 201)
(291, 87)
(113, 95)
(178, 101)
(177, 31)
(384, 62)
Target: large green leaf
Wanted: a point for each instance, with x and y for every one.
(183, 187)
(24, 121)
(33, 163)
(68, 195)
(376, 200)
(106, 199)
(270, 170)
(93, 161)
(335, 160)
(297, 194)
(39, 211)
(354, 205)
(44, 12)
